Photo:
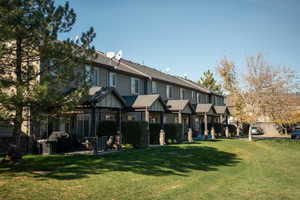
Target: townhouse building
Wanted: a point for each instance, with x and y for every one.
(123, 90)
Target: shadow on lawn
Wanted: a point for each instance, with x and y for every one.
(161, 161)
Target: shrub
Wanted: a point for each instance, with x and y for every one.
(107, 128)
(232, 129)
(245, 129)
(154, 129)
(173, 132)
(127, 146)
(135, 133)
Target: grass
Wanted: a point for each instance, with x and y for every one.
(226, 169)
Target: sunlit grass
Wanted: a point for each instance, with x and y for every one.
(226, 169)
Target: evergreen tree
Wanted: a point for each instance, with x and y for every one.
(36, 68)
(208, 81)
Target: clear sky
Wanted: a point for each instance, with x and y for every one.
(192, 36)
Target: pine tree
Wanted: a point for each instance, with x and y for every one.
(36, 68)
(208, 81)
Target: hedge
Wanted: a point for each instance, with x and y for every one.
(107, 128)
(154, 129)
(232, 129)
(135, 133)
(173, 132)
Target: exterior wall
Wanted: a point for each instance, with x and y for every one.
(176, 92)
(162, 89)
(187, 94)
(194, 100)
(103, 77)
(123, 84)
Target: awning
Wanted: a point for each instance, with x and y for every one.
(205, 109)
(140, 102)
(222, 110)
(184, 106)
(106, 97)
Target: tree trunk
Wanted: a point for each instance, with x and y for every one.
(285, 131)
(250, 134)
(18, 119)
(238, 130)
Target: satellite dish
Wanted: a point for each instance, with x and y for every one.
(119, 55)
(110, 54)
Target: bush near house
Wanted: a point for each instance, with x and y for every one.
(245, 129)
(107, 128)
(135, 133)
(173, 132)
(154, 129)
(232, 129)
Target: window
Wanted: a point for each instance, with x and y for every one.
(88, 71)
(193, 95)
(95, 77)
(181, 93)
(112, 79)
(169, 91)
(154, 87)
(135, 86)
(198, 98)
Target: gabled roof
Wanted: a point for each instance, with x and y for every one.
(96, 94)
(158, 75)
(143, 101)
(178, 105)
(205, 108)
(222, 110)
(195, 85)
(117, 65)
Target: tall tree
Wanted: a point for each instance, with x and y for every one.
(230, 84)
(35, 68)
(207, 80)
(266, 92)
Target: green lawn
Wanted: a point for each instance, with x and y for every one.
(225, 169)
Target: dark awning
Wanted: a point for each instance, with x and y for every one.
(107, 97)
(222, 110)
(205, 108)
(180, 105)
(140, 102)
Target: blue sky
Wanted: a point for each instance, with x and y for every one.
(192, 36)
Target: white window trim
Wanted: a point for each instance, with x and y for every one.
(181, 93)
(198, 97)
(154, 89)
(112, 75)
(169, 92)
(95, 76)
(133, 86)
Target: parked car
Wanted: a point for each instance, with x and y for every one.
(257, 131)
(295, 134)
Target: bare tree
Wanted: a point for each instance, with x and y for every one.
(266, 94)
